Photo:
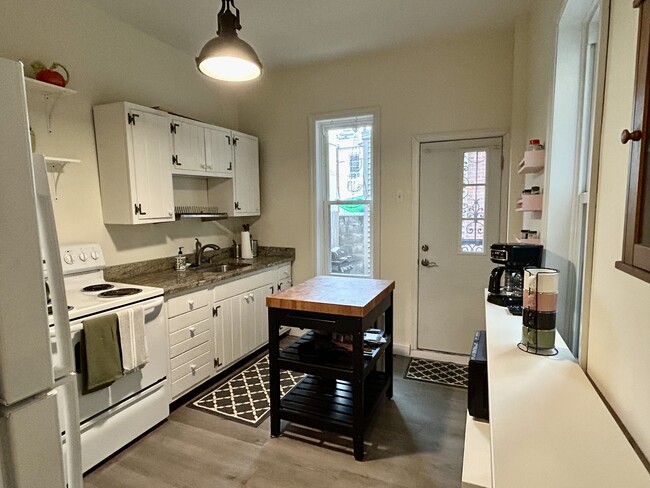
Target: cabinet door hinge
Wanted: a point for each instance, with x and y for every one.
(138, 209)
(175, 160)
(218, 363)
(229, 140)
(172, 127)
(215, 311)
(234, 141)
(237, 206)
(130, 118)
(230, 166)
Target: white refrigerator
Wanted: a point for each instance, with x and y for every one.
(39, 410)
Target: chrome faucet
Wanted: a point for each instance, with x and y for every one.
(199, 249)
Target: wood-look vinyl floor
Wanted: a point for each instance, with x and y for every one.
(416, 440)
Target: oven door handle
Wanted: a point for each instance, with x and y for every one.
(149, 306)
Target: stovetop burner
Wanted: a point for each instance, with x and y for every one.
(98, 287)
(120, 292)
(49, 309)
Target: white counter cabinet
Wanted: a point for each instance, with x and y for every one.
(212, 328)
(548, 425)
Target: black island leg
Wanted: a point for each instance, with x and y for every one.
(388, 354)
(274, 370)
(358, 395)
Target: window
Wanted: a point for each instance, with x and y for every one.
(346, 183)
(472, 236)
(636, 239)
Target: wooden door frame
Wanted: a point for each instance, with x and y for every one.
(416, 142)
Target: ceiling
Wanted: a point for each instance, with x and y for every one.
(289, 32)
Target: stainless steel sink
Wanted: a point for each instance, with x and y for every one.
(220, 268)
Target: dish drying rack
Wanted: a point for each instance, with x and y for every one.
(206, 214)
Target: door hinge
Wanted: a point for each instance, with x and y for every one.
(234, 141)
(229, 140)
(175, 160)
(237, 206)
(230, 166)
(172, 127)
(131, 118)
(218, 363)
(215, 311)
(138, 209)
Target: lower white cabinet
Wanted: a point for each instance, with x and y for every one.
(189, 324)
(205, 339)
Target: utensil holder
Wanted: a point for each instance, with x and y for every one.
(540, 311)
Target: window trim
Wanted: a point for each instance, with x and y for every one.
(636, 257)
(318, 186)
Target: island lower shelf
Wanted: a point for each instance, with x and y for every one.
(328, 403)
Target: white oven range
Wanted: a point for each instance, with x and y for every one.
(114, 416)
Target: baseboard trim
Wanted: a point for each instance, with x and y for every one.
(402, 349)
(440, 356)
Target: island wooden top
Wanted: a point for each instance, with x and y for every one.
(354, 297)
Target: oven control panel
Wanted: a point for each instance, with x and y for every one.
(81, 257)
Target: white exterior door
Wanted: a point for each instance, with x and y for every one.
(460, 188)
(218, 152)
(247, 174)
(189, 146)
(152, 171)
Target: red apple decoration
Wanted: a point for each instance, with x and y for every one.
(49, 75)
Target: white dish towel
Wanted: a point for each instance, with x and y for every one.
(132, 339)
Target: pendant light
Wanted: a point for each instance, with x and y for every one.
(226, 57)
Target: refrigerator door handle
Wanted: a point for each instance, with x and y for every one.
(70, 414)
(63, 360)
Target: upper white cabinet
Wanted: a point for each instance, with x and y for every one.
(239, 197)
(247, 174)
(133, 149)
(218, 152)
(189, 147)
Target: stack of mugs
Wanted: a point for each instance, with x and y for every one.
(540, 310)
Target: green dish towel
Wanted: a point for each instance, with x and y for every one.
(100, 353)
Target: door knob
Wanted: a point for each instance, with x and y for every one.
(427, 264)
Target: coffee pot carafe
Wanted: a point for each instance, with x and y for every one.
(505, 287)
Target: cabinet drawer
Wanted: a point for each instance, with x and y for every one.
(192, 378)
(190, 337)
(194, 317)
(181, 364)
(187, 303)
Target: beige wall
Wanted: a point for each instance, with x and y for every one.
(108, 61)
(619, 330)
(456, 85)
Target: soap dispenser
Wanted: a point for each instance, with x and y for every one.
(181, 260)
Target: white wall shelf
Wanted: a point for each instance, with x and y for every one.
(50, 95)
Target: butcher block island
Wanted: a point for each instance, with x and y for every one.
(344, 383)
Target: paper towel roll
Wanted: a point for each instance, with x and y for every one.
(246, 251)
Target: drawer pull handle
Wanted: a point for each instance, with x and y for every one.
(193, 368)
(192, 330)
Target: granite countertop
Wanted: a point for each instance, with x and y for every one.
(160, 273)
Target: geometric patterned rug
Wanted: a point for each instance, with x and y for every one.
(450, 374)
(245, 397)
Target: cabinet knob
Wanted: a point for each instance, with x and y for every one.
(252, 296)
(192, 330)
(193, 368)
(246, 298)
(627, 136)
(209, 166)
(190, 302)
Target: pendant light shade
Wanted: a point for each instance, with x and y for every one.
(227, 57)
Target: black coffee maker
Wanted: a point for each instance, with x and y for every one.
(507, 281)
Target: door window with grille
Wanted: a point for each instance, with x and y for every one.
(346, 185)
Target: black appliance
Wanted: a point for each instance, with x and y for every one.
(507, 281)
(477, 381)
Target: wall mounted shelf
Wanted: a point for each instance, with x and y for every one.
(533, 162)
(50, 95)
(530, 203)
(54, 168)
